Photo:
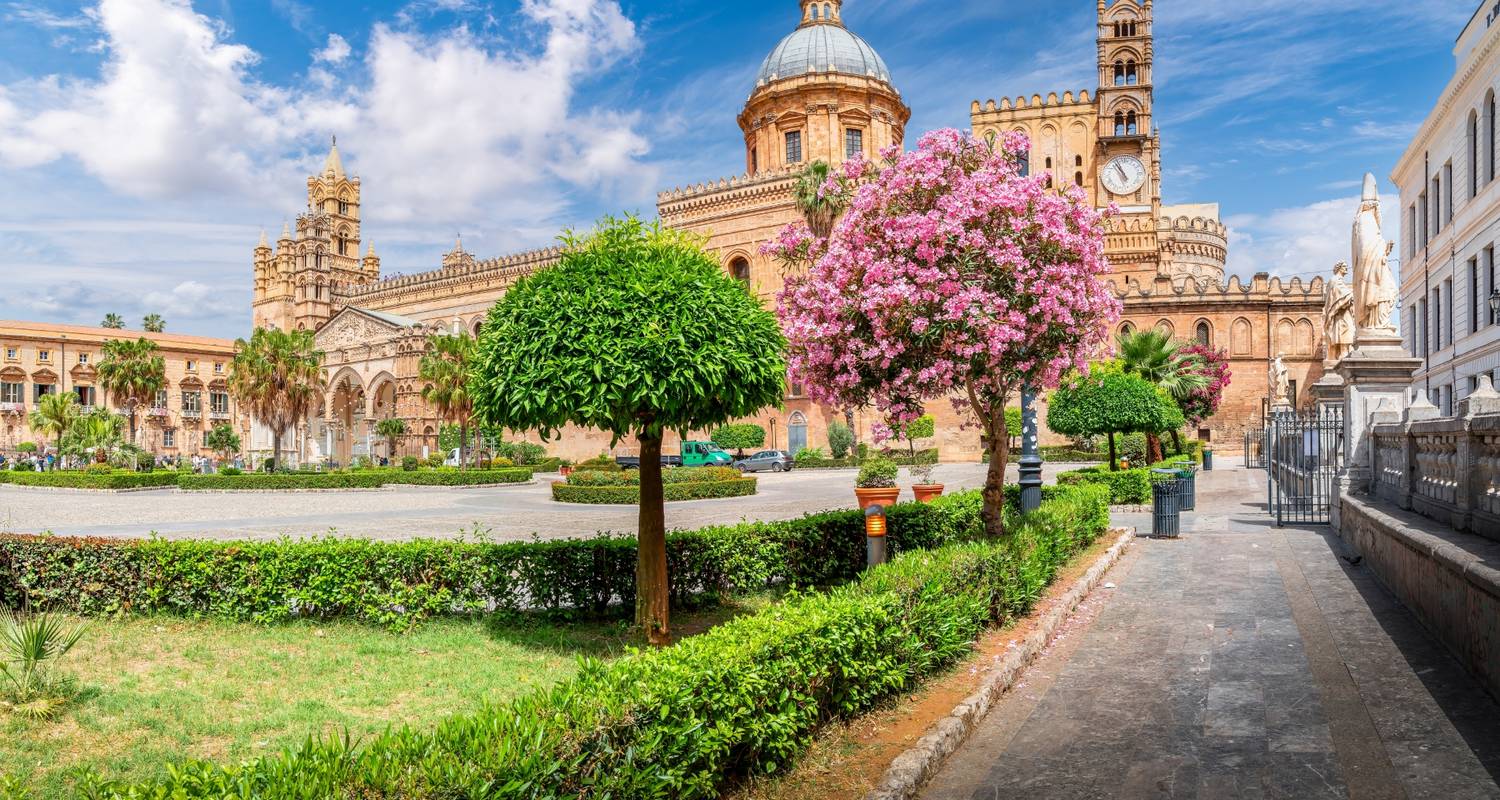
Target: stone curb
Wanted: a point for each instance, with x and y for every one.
(389, 487)
(78, 489)
(912, 769)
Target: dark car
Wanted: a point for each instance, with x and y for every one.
(766, 461)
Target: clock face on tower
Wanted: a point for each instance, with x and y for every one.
(1124, 175)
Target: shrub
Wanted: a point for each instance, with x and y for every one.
(600, 464)
(85, 480)
(525, 454)
(877, 473)
(688, 721)
(840, 440)
(231, 471)
(410, 463)
(435, 460)
(808, 456)
(739, 438)
(452, 477)
(631, 494)
(1127, 487)
(98, 469)
(501, 462)
(282, 481)
(1068, 454)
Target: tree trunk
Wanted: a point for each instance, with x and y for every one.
(463, 444)
(993, 513)
(1177, 442)
(1114, 462)
(652, 601)
(276, 448)
(1153, 449)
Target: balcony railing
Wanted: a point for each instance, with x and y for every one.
(158, 412)
(192, 413)
(12, 408)
(218, 415)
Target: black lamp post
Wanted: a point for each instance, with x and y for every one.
(1031, 459)
(1495, 306)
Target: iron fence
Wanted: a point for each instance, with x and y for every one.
(1255, 448)
(1303, 455)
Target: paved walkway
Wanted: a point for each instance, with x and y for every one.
(1241, 661)
(510, 513)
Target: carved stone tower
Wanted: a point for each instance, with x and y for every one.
(295, 284)
(1129, 160)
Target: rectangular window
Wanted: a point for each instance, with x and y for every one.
(754, 161)
(169, 438)
(83, 358)
(218, 368)
(161, 399)
(192, 402)
(1424, 227)
(44, 355)
(854, 142)
(1448, 327)
(218, 402)
(1448, 192)
(1411, 232)
(11, 354)
(794, 147)
(1423, 326)
(1437, 319)
(40, 390)
(12, 392)
(1477, 304)
(192, 366)
(85, 395)
(1487, 271)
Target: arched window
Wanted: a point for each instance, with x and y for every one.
(1126, 329)
(1489, 135)
(1132, 76)
(796, 433)
(827, 11)
(1119, 123)
(1130, 124)
(1473, 153)
(1049, 173)
(1078, 179)
(343, 208)
(1205, 334)
(1240, 337)
(1119, 73)
(1077, 161)
(740, 269)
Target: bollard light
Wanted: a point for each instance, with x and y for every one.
(875, 542)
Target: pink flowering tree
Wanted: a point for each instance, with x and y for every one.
(1203, 403)
(951, 277)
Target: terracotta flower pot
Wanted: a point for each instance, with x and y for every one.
(925, 492)
(566, 471)
(877, 497)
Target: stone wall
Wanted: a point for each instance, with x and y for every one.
(1444, 468)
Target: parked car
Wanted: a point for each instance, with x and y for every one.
(766, 460)
(694, 454)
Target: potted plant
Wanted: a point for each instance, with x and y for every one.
(925, 487)
(876, 484)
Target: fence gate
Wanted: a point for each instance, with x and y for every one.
(1255, 448)
(1304, 453)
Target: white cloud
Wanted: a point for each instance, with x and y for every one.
(1305, 241)
(42, 18)
(193, 300)
(335, 53)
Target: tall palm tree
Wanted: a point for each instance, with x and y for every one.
(1156, 357)
(132, 372)
(153, 323)
(821, 210)
(278, 376)
(113, 320)
(391, 428)
(444, 369)
(55, 413)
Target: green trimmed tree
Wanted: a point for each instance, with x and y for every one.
(1109, 402)
(739, 438)
(923, 427)
(636, 331)
(223, 440)
(1170, 365)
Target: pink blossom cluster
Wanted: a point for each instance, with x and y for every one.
(1202, 404)
(952, 275)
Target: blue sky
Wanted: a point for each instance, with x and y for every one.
(145, 143)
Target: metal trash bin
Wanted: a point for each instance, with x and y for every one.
(1188, 472)
(1166, 504)
(1208, 459)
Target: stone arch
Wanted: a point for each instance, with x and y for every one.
(1203, 333)
(1285, 339)
(382, 396)
(1126, 328)
(477, 326)
(1241, 337)
(1166, 326)
(796, 432)
(1305, 338)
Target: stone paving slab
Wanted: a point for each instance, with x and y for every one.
(1240, 661)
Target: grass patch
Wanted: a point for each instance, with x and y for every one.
(156, 690)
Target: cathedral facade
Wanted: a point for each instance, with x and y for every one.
(825, 94)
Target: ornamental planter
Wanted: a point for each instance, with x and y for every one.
(877, 497)
(565, 471)
(925, 492)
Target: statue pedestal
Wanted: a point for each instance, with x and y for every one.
(1328, 392)
(1377, 375)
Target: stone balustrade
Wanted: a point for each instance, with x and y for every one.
(1444, 468)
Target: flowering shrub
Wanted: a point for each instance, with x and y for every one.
(951, 276)
(1202, 404)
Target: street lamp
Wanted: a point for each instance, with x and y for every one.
(1495, 306)
(1031, 459)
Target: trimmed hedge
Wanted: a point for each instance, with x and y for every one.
(688, 721)
(401, 583)
(473, 477)
(564, 492)
(285, 480)
(1126, 487)
(1067, 455)
(94, 480)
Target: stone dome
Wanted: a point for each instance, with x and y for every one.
(822, 49)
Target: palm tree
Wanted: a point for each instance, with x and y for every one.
(55, 413)
(820, 209)
(132, 372)
(445, 370)
(1154, 356)
(391, 428)
(113, 320)
(97, 433)
(223, 440)
(153, 323)
(278, 376)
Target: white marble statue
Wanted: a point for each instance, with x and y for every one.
(1338, 314)
(1374, 284)
(1281, 382)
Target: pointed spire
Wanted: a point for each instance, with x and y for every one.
(372, 250)
(286, 231)
(458, 247)
(333, 163)
(263, 242)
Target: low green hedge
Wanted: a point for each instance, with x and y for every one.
(252, 481)
(401, 583)
(1067, 455)
(688, 721)
(1126, 487)
(93, 480)
(564, 492)
(472, 477)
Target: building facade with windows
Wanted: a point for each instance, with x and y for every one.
(1450, 224)
(38, 359)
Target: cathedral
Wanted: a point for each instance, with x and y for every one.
(825, 94)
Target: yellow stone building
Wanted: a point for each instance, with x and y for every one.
(823, 93)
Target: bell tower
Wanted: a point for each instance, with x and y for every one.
(1129, 154)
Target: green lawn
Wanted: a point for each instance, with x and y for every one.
(156, 690)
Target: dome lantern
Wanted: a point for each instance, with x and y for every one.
(822, 12)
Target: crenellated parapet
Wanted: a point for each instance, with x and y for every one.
(725, 194)
(1193, 246)
(1261, 287)
(1035, 102)
(466, 273)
